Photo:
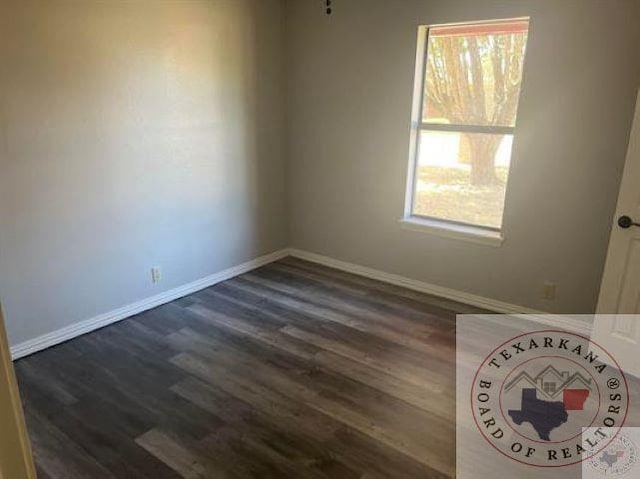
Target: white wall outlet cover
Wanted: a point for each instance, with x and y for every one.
(549, 290)
(156, 274)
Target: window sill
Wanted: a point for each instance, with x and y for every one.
(450, 230)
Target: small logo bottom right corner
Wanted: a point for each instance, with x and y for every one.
(618, 460)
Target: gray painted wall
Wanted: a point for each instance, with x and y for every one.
(350, 88)
(134, 134)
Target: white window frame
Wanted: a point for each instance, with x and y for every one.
(442, 227)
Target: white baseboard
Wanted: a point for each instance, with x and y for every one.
(69, 332)
(489, 304)
(51, 339)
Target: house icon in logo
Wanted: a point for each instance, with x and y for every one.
(549, 383)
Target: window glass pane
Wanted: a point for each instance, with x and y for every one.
(474, 72)
(462, 177)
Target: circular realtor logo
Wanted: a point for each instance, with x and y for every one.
(616, 459)
(534, 394)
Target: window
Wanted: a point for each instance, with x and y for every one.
(467, 90)
(549, 388)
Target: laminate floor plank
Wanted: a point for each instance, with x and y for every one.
(372, 415)
(398, 294)
(359, 306)
(303, 304)
(305, 427)
(58, 454)
(186, 462)
(294, 370)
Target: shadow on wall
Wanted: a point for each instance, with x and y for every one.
(135, 134)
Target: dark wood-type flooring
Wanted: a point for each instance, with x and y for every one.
(292, 370)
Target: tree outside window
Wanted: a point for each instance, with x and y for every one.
(471, 84)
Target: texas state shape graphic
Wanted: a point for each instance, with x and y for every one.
(545, 416)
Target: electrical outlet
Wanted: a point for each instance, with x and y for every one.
(549, 290)
(156, 274)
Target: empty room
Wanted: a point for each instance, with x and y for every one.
(346, 239)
